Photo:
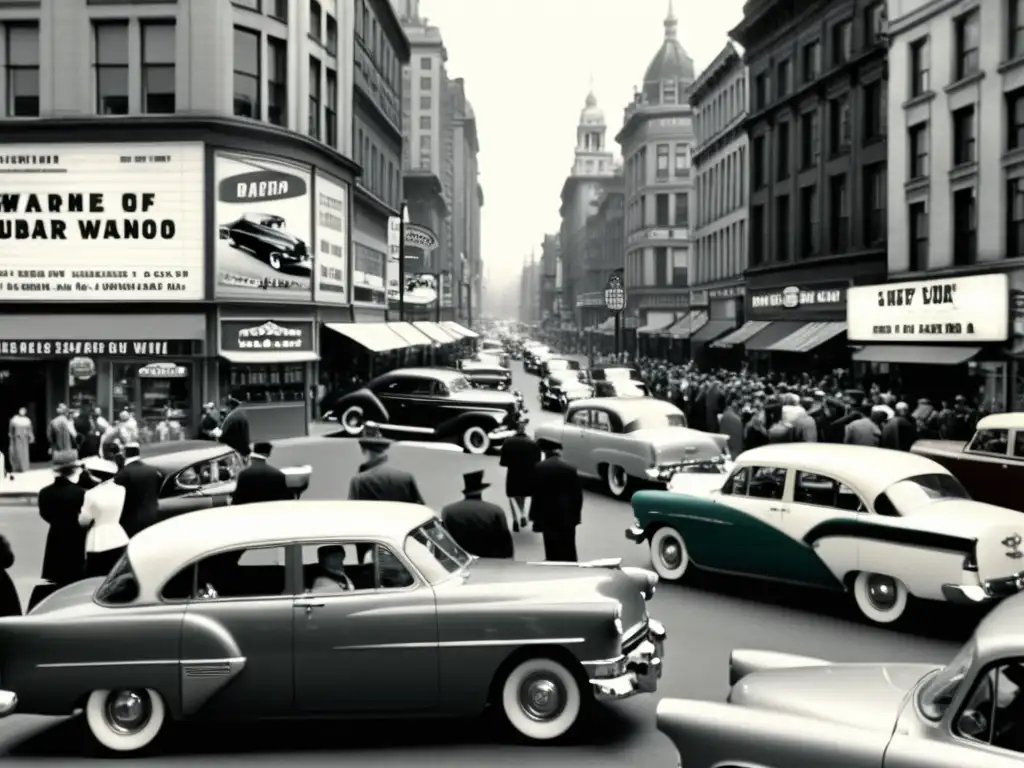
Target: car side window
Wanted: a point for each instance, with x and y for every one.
(398, 386)
(236, 573)
(1018, 444)
(766, 483)
(580, 418)
(822, 491)
(600, 421)
(436, 388)
(736, 485)
(188, 480)
(994, 711)
(994, 441)
(226, 468)
(348, 566)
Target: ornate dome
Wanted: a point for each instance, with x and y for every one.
(671, 62)
(591, 114)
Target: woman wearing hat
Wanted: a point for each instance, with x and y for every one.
(60, 504)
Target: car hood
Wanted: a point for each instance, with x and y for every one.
(951, 448)
(702, 484)
(674, 445)
(867, 696)
(276, 236)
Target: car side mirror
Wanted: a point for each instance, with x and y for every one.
(972, 724)
(222, 233)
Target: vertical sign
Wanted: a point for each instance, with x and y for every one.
(330, 284)
(391, 269)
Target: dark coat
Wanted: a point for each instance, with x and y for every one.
(261, 482)
(520, 454)
(754, 435)
(206, 426)
(714, 404)
(141, 484)
(10, 604)
(479, 527)
(557, 496)
(898, 434)
(59, 505)
(732, 425)
(234, 432)
(86, 481)
(377, 481)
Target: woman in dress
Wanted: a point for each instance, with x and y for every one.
(20, 435)
(105, 539)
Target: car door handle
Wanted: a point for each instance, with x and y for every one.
(308, 604)
(778, 509)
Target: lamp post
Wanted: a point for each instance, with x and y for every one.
(402, 220)
(615, 301)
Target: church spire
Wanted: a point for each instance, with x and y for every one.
(671, 23)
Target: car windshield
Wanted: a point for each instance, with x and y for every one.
(921, 490)
(439, 543)
(459, 385)
(655, 420)
(938, 693)
(621, 373)
(563, 365)
(120, 586)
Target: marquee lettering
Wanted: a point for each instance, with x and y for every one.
(926, 296)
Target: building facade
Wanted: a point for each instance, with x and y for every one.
(817, 131)
(657, 142)
(529, 291)
(720, 163)
(603, 250)
(468, 196)
(549, 260)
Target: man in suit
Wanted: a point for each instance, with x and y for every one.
(730, 424)
(234, 431)
(478, 526)
(519, 455)
(557, 506)
(209, 425)
(260, 481)
(141, 484)
(60, 503)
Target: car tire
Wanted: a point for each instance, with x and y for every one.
(669, 556)
(476, 441)
(541, 699)
(880, 598)
(353, 421)
(274, 260)
(618, 482)
(147, 717)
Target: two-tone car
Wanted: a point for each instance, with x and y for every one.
(785, 710)
(346, 609)
(533, 355)
(884, 526)
(558, 377)
(627, 443)
(264, 236)
(485, 372)
(432, 404)
(495, 348)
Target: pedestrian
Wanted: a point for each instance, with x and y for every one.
(60, 504)
(141, 484)
(865, 430)
(519, 455)
(61, 432)
(234, 431)
(209, 425)
(478, 526)
(557, 506)
(261, 481)
(105, 539)
(899, 432)
(20, 435)
(10, 603)
(755, 433)
(731, 425)
(90, 432)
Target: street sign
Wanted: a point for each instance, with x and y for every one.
(615, 294)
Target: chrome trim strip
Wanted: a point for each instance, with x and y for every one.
(463, 644)
(140, 663)
(700, 519)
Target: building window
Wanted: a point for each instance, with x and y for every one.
(661, 171)
(757, 235)
(875, 204)
(247, 73)
(964, 140)
(279, 10)
(331, 110)
(761, 91)
(425, 142)
(332, 35)
(661, 217)
(425, 102)
(965, 228)
(661, 267)
(424, 122)
(967, 32)
(426, 83)
(1015, 219)
(314, 97)
(809, 221)
(810, 140)
(682, 160)
(842, 43)
(917, 213)
(839, 124)
(249, 5)
(782, 149)
(315, 15)
(760, 162)
(874, 23)
(876, 97)
(812, 61)
(919, 67)
(158, 67)
(1015, 44)
(426, 63)
(782, 79)
(277, 81)
(839, 213)
(918, 140)
(782, 228)
(682, 210)
(112, 67)
(22, 70)
(1015, 119)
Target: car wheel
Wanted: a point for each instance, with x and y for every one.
(125, 720)
(274, 260)
(882, 599)
(541, 699)
(353, 420)
(618, 482)
(669, 556)
(476, 441)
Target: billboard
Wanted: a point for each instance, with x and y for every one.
(330, 284)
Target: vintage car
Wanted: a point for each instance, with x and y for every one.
(534, 355)
(263, 235)
(197, 475)
(628, 442)
(612, 373)
(495, 348)
(328, 608)
(486, 374)
(432, 403)
(785, 710)
(991, 464)
(558, 365)
(620, 387)
(561, 388)
(884, 525)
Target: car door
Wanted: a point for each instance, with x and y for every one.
(188, 490)
(223, 478)
(369, 648)
(574, 438)
(984, 468)
(398, 396)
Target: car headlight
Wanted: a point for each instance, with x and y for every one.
(612, 668)
(660, 474)
(617, 623)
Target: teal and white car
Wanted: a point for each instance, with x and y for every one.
(884, 525)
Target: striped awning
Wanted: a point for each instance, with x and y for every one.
(915, 354)
(689, 324)
(657, 323)
(809, 336)
(741, 335)
(712, 330)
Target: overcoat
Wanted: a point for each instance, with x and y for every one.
(234, 432)
(479, 527)
(377, 481)
(60, 503)
(520, 454)
(557, 496)
(10, 603)
(260, 482)
(141, 484)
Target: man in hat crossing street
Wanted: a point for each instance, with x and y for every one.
(141, 484)
(519, 455)
(60, 503)
(557, 506)
(260, 481)
(234, 431)
(478, 526)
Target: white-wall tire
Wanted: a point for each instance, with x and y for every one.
(353, 420)
(541, 719)
(475, 440)
(669, 556)
(110, 735)
(618, 481)
(880, 598)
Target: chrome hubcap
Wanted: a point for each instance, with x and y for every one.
(618, 477)
(354, 420)
(541, 697)
(128, 711)
(476, 439)
(882, 592)
(671, 554)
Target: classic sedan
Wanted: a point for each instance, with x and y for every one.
(626, 442)
(991, 464)
(785, 710)
(495, 348)
(883, 525)
(484, 374)
(561, 388)
(534, 355)
(346, 609)
(263, 235)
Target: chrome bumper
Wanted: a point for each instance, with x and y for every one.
(502, 433)
(643, 668)
(8, 702)
(636, 534)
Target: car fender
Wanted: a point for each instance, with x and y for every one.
(629, 460)
(549, 433)
(456, 426)
(373, 408)
(213, 660)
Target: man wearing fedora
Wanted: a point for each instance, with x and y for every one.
(60, 504)
(234, 430)
(557, 506)
(519, 455)
(260, 481)
(478, 526)
(141, 483)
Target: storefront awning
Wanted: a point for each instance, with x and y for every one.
(915, 354)
(691, 322)
(606, 326)
(435, 331)
(776, 331)
(374, 337)
(809, 336)
(459, 328)
(712, 330)
(269, 357)
(657, 322)
(413, 336)
(741, 334)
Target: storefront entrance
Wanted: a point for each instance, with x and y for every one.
(23, 384)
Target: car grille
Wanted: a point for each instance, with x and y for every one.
(636, 636)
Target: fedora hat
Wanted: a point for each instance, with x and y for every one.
(372, 439)
(474, 482)
(262, 450)
(65, 459)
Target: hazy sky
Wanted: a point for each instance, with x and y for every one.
(528, 66)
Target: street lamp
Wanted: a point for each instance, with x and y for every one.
(403, 219)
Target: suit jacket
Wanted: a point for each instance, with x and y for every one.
(863, 431)
(64, 557)
(479, 527)
(260, 482)
(377, 481)
(101, 517)
(235, 431)
(519, 455)
(898, 434)
(557, 496)
(732, 425)
(141, 484)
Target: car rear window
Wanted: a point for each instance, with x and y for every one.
(120, 587)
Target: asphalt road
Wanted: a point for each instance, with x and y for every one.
(704, 623)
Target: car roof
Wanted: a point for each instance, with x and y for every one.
(447, 374)
(861, 467)
(627, 406)
(1002, 421)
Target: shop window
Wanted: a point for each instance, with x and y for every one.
(82, 390)
(264, 383)
(158, 395)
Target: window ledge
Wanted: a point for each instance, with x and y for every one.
(1010, 65)
(963, 171)
(964, 82)
(1013, 157)
(914, 185)
(921, 98)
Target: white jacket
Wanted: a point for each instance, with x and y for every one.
(102, 508)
